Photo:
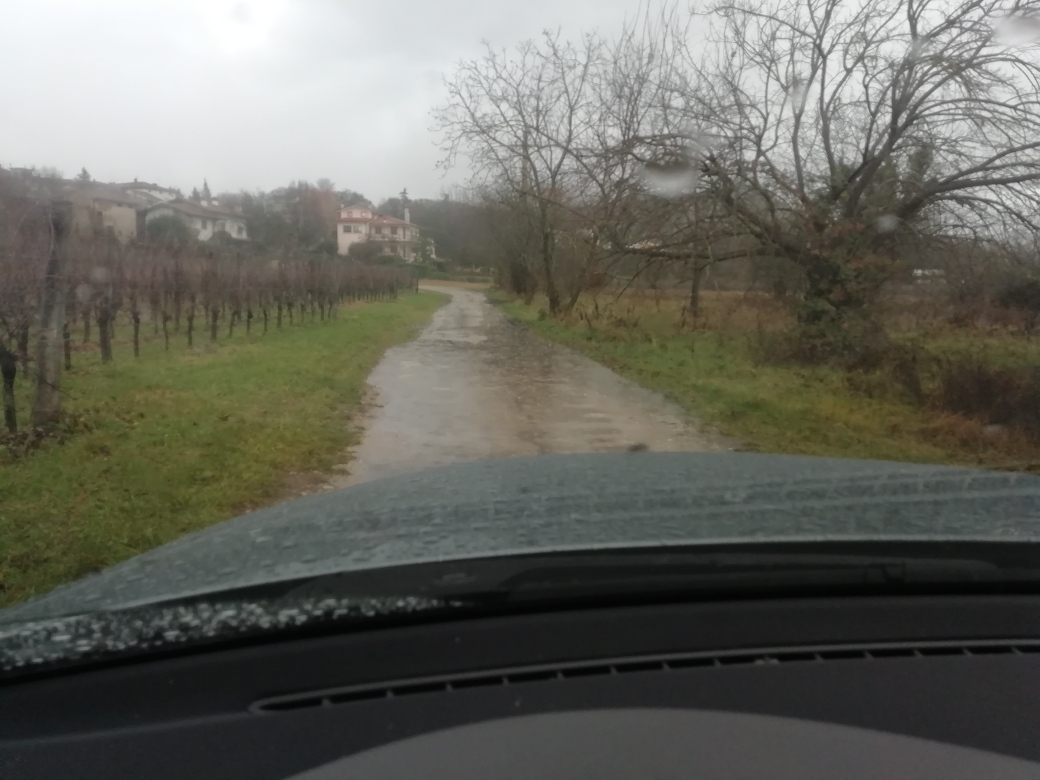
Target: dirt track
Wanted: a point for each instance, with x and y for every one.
(475, 385)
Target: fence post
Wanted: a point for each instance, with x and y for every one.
(46, 410)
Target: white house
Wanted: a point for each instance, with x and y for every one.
(205, 219)
(360, 223)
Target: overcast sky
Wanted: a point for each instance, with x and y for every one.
(251, 93)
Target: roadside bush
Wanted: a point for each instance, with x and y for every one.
(855, 344)
(999, 396)
(365, 251)
(169, 231)
(900, 374)
(1022, 295)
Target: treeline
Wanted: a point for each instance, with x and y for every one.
(839, 147)
(304, 215)
(56, 288)
(455, 222)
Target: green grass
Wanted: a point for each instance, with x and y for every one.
(185, 439)
(767, 408)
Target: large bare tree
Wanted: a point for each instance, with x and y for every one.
(589, 157)
(518, 117)
(841, 130)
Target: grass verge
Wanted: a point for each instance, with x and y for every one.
(183, 439)
(769, 408)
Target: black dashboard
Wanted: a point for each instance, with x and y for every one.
(852, 687)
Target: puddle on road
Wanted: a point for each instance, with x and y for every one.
(474, 385)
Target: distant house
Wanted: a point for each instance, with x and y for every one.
(359, 223)
(929, 275)
(206, 219)
(98, 208)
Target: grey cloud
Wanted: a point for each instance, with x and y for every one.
(251, 93)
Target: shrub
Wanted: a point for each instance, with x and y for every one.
(1022, 295)
(169, 231)
(1000, 396)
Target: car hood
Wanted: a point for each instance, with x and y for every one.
(563, 503)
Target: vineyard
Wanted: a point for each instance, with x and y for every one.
(59, 292)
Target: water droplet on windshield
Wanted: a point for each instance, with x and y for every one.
(100, 275)
(679, 174)
(670, 179)
(797, 94)
(1017, 30)
(919, 49)
(886, 223)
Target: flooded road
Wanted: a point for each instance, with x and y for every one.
(475, 385)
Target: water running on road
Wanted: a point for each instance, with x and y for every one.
(475, 385)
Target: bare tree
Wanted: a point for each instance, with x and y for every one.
(839, 130)
(593, 153)
(518, 119)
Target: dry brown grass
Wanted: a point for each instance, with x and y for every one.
(998, 447)
(663, 310)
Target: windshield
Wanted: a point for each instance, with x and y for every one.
(255, 252)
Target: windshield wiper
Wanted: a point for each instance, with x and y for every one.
(566, 576)
(730, 574)
(492, 586)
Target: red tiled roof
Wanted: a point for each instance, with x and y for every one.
(382, 219)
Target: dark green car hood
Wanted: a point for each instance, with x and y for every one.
(563, 503)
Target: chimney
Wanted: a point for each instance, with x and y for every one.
(406, 215)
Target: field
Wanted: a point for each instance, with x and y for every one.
(721, 371)
(172, 442)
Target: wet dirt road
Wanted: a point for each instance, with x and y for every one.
(475, 385)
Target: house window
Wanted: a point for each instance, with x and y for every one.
(205, 224)
(350, 213)
(393, 231)
(346, 228)
(239, 230)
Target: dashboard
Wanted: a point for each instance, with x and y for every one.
(941, 686)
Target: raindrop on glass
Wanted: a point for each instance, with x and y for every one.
(918, 49)
(680, 174)
(886, 223)
(1017, 31)
(670, 179)
(797, 94)
(100, 275)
